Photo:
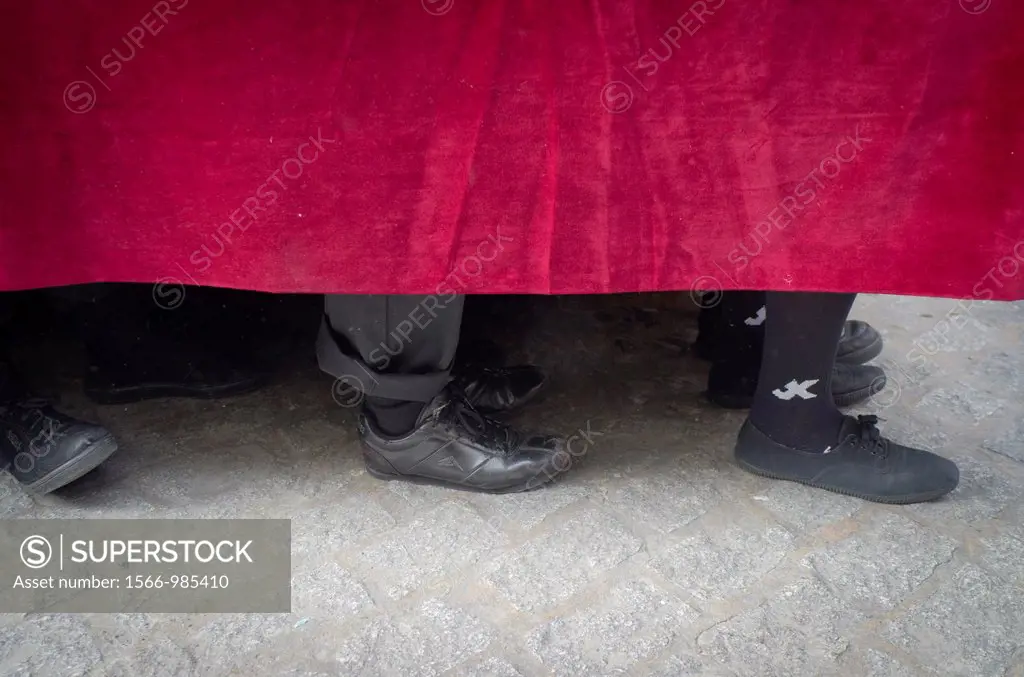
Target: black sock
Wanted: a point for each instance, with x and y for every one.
(741, 332)
(393, 417)
(793, 404)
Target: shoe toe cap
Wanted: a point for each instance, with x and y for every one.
(924, 472)
(79, 439)
(545, 456)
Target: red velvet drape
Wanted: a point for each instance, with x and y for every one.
(515, 145)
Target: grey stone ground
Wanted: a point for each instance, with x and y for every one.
(657, 557)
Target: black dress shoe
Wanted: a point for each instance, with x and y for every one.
(496, 390)
(157, 370)
(732, 384)
(45, 449)
(859, 343)
(454, 445)
(862, 463)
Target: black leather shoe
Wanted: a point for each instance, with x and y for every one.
(732, 385)
(862, 463)
(497, 390)
(160, 370)
(45, 449)
(454, 445)
(859, 343)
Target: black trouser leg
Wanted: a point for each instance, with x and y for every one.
(793, 404)
(12, 386)
(396, 349)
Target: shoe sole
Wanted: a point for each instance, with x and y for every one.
(90, 457)
(133, 394)
(855, 396)
(862, 355)
(890, 500)
(417, 479)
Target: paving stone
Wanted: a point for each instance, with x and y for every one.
(963, 403)
(439, 544)
(14, 500)
(634, 622)
(1001, 369)
(54, 645)
(1009, 442)
(419, 496)
(971, 626)
(879, 664)
(690, 666)
(119, 501)
(328, 589)
(14, 643)
(224, 641)
(971, 336)
(530, 508)
(160, 658)
(730, 553)
(906, 380)
(303, 672)
(877, 567)
(990, 314)
(805, 508)
(492, 667)
(670, 498)
(192, 481)
(433, 640)
(801, 631)
(337, 527)
(1004, 555)
(553, 567)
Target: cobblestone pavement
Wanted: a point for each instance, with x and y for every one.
(657, 557)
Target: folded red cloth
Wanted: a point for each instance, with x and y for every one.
(517, 146)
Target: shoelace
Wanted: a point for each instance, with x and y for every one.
(42, 423)
(870, 437)
(476, 375)
(493, 432)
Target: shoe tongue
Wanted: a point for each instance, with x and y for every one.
(432, 407)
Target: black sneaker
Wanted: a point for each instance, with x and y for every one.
(45, 449)
(859, 343)
(454, 445)
(862, 463)
(497, 390)
(732, 385)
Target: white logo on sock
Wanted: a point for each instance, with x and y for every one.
(756, 319)
(794, 389)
